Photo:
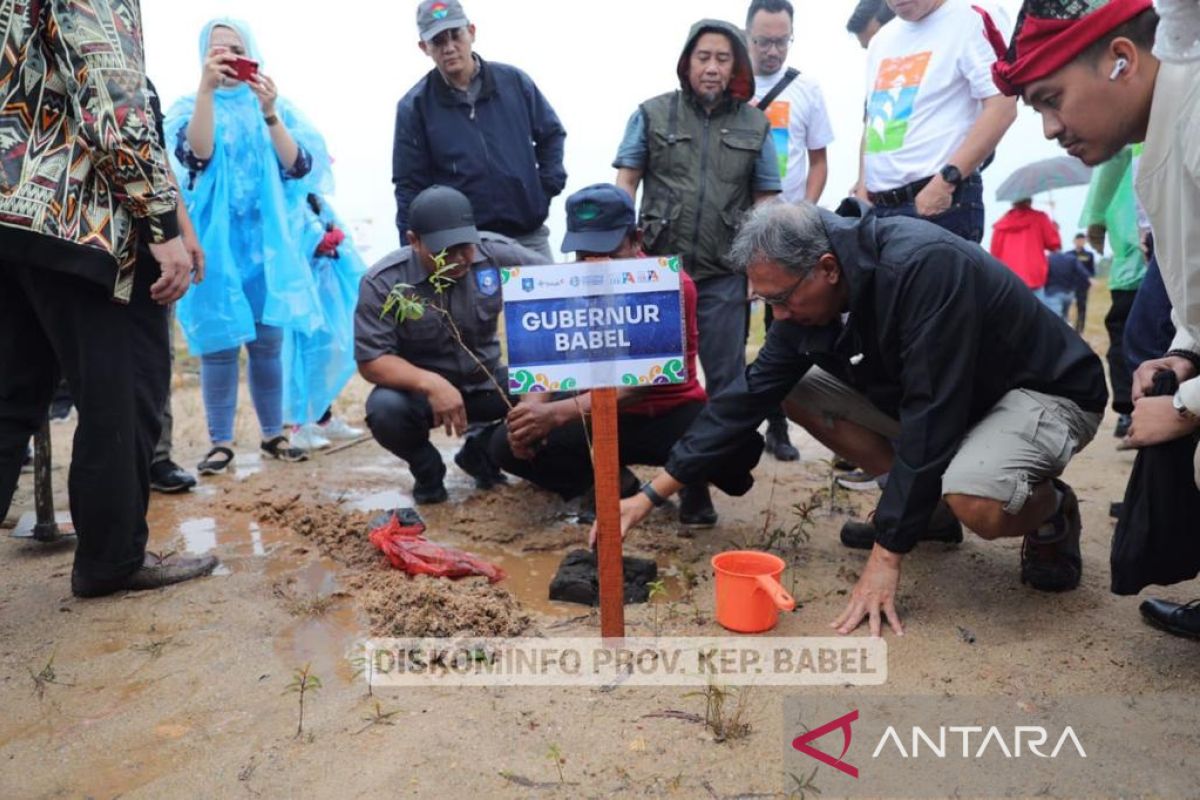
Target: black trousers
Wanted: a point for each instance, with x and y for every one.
(115, 359)
(1119, 373)
(1081, 298)
(564, 464)
(401, 421)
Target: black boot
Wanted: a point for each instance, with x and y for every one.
(779, 444)
(696, 508)
(474, 460)
(943, 527)
(429, 473)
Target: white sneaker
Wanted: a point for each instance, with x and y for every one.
(309, 437)
(337, 428)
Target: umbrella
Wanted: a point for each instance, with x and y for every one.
(1043, 176)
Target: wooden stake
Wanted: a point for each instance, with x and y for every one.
(608, 513)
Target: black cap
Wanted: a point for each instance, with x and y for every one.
(442, 218)
(599, 218)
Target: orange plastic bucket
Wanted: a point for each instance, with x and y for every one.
(749, 594)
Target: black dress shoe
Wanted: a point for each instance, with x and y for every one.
(1181, 619)
(170, 478)
(943, 527)
(779, 443)
(153, 574)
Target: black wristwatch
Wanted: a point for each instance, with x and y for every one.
(952, 175)
(656, 499)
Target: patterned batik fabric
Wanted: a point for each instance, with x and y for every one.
(79, 157)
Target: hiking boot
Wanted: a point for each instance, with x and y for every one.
(779, 443)
(473, 459)
(1050, 560)
(153, 574)
(170, 478)
(943, 527)
(696, 508)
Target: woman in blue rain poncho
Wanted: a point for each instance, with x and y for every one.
(246, 160)
(317, 366)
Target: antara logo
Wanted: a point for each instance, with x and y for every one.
(843, 724)
(1023, 738)
(1032, 737)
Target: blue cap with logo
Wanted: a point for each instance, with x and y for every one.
(599, 218)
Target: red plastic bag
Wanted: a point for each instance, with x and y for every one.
(407, 548)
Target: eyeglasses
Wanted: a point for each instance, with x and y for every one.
(781, 298)
(445, 37)
(765, 43)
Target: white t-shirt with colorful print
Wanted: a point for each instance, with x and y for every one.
(799, 123)
(926, 83)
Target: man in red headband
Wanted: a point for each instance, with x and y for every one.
(1088, 69)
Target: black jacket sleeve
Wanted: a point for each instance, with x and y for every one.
(549, 140)
(411, 168)
(939, 333)
(741, 408)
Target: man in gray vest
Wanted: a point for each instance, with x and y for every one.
(706, 156)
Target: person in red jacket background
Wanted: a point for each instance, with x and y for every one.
(1021, 238)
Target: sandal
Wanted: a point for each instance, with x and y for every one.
(216, 462)
(281, 449)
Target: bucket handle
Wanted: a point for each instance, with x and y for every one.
(775, 590)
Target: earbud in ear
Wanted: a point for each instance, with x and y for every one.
(1118, 68)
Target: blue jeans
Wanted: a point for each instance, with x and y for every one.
(219, 384)
(1149, 330)
(1058, 301)
(964, 217)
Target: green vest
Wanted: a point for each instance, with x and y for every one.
(699, 179)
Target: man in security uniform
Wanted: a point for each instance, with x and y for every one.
(425, 336)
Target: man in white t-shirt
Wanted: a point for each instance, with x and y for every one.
(801, 129)
(799, 121)
(933, 115)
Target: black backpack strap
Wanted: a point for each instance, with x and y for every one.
(770, 97)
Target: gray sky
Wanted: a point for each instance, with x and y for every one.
(347, 64)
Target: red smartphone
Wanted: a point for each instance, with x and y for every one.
(244, 68)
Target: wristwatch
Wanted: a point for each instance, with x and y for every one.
(1182, 409)
(951, 175)
(656, 499)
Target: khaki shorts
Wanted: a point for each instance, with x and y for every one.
(1027, 437)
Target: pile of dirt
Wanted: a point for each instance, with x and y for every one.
(399, 605)
(396, 603)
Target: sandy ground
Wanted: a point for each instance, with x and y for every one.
(181, 692)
